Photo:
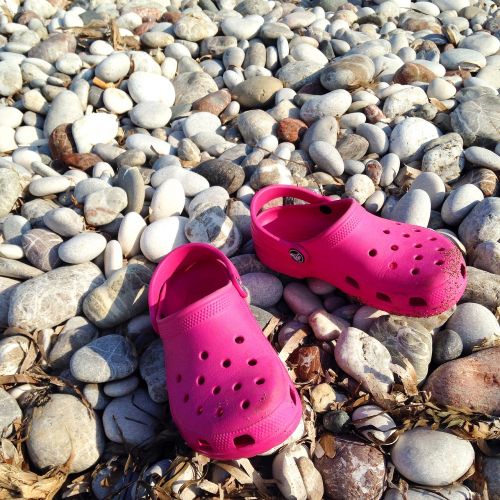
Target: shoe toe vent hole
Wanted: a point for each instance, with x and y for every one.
(383, 297)
(239, 339)
(439, 262)
(243, 441)
(417, 301)
(237, 386)
(216, 390)
(219, 412)
(260, 381)
(372, 252)
(204, 355)
(351, 281)
(226, 363)
(415, 271)
(252, 362)
(418, 257)
(394, 247)
(245, 404)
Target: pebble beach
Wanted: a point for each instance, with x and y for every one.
(130, 128)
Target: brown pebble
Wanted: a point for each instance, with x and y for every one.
(291, 129)
(25, 17)
(144, 27)
(410, 72)
(215, 102)
(61, 141)
(373, 113)
(483, 178)
(170, 17)
(82, 161)
(373, 170)
(308, 363)
(147, 13)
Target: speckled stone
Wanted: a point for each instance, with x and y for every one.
(41, 247)
(222, 173)
(152, 368)
(52, 298)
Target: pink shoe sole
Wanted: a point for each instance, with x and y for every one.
(399, 268)
(229, 393)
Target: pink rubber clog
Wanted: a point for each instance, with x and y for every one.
(229, 393)
(396, 267)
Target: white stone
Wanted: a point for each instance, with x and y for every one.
(403, 101)
(306, 52)
(113, 258)
(327, 158)
(459, 203)
(93, 129)
(10, 117)
(11, 80)
(81, 248)
(169, 199)
(150, 114)
(334, 103)
(360, 187)
(441, 89)
(409, 137)
(163, 236)
(144, 86)
(49, 185)
(382, 425)
(148, 144)
(433, 185)
(9, 251)
(129, 234)
(200, 122)
(117, 101)
(242, 29)
(7, 141)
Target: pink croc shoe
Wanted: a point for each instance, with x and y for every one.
(399, 268)
(229, 393)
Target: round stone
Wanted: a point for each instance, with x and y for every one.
(117, 101)
(113, 68)
(432, 458)
(256, 92)
(150, 114)
(133, 419)
(409, 138)
(336, 421)
(222, 173)
(432, 184)
(413, 208)
(83, 247)
(168, 200)
(459, 203)
(152, 368)
(360, 187)
(144, 86)
(163, 236)
(49, 185)
(107, 358)
(77, 434)
(41, 248)
(264, 290)
(63, 221)
(447, 345)
(129, 234)
(102, 207)
(473, 323)
(327, 158)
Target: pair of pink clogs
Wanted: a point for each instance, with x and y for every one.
(230, 395)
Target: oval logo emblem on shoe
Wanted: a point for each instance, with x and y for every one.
(296, 256)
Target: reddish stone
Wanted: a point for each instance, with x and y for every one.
(291, 129)
(61, 141)
(83, 161)
(144, 27)
(410, 72)
(373, 113)
(170, 17)
(484, 178)
(25, 17)
(356, 471)
(417, 24)
(373, 170)
(307, 361)
(215, 102)
(472, 382)
(147, 13)
(314, 88)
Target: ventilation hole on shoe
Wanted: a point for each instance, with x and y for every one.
(237, 386)
(386, 231)
(226, 363)
(398, 223)
(406, 235)
(204, 355)
(260, 381)
(415, 271)
(433, 238)
(462, 271)
(245, 404)
(243, 440)
(439, 262)
(393, 265)
(394, 247)
(199, 410)
(252, 362)
(352, 282)
(216, 390)
(417, 230)
(441, 249)
(293, 396)
(418, 257)
(204, 445)
(200, 380)
(417, 301)
(372, 252)
(239, 340)
(383, 297)
(325, 209)
(418, 245)
(219, 412)
(186, 398)
(178, 378)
